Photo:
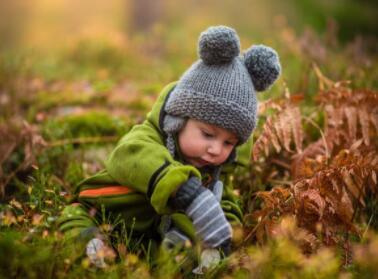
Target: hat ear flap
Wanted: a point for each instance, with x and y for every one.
(263, 66)
(173, 124)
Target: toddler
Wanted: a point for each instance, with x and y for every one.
(168, 179)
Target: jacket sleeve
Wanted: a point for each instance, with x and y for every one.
(141, 161)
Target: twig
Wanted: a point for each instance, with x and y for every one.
(252, 232)
(368, 226)
(82, 141)
(282, 164)
(9, 177)
(322, 79)
(358, 200)
(346, 247)
(309, 120)
(283, 182)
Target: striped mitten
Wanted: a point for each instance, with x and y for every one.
(204, 209)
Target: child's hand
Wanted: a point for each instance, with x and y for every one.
(95, 252)
(209, 259)
(174, 238)
(203, 208)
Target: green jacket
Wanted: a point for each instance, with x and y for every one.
(141, 162)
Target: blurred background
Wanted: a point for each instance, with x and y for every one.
(155, 40)
(93, 68)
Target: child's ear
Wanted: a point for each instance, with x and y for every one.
(263, 66)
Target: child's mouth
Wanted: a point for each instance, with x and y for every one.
(198, 162)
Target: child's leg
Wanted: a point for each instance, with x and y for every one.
(79, 227)
(76, 222)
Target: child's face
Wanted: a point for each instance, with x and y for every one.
(204, 144)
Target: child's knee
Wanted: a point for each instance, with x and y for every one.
(75, 220)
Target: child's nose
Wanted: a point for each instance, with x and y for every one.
(215, 149)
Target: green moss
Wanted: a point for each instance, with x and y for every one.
(88, 124)
(74, 173)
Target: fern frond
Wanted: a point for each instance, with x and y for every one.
(350, 115)
(280, 131)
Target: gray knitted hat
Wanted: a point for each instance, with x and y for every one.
(220, 88)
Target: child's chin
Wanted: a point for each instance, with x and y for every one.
(198, 163)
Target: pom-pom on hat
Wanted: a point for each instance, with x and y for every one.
(220, 88)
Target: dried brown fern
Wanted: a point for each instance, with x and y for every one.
(323, 205)
(326, 203)
(280, 131)
(276, 203)
(332, 176)
(15, 136)
(350, 115)
(351, 123)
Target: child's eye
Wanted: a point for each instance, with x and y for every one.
(228, 143)
(206, 134)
